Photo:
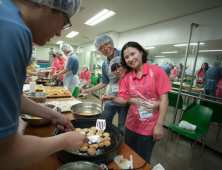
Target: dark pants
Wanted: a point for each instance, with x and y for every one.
(141, 144)
(210, 93)
(110, 111)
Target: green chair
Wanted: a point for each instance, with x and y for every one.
(76, 92)
(94, 81)
(217, 116)
(199, 116)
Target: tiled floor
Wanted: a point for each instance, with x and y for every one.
(179, 158)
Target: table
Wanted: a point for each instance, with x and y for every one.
(51, 162)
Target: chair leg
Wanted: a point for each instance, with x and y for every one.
(178, 140)
(180, 115)
(203, 145)
(218, 134)
(193, 152)
(167, 138)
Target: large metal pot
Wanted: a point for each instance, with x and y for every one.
(86, 107)
(39, 122)
(80, 165)
(106, 156)
(43, 73)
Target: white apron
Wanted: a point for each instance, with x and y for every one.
(173, 78)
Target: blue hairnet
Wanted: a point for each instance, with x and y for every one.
(66, 47)
(166, 61)
(59, 52)
(217, 63)
(70, 7)
(171, 64)
(102, 39)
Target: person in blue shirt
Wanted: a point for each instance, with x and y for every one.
(104, 43)
(22, 23)
(166, 67)
(210, 79)
(70, 79)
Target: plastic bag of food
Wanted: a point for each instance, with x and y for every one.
(122, 163)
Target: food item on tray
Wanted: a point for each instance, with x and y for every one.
(100, 145)
(92, 131)
(107, 143)
(86, 144)
(86, 113)
(78, 129)
(82, 132)
(99, 134)
(94, 128)
(100, 130)
(61, 93)
(84, 148)
(91, 151)
(54, 88)
(106, 138)
(94, 146)
(90, 134)
(86, 130)
(36, 118)
(38, 87)
(106, 134)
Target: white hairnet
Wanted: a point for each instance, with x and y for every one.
(102, 39)
(86, 67)
(66, 47)
(115, 60)
(217, 63)
(59, 52)
(171, 64)
(70, 7)
(166, 61)
(51, 52)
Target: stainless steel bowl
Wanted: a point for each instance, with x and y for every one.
(86, 107)
(38, 97)
(39, 122)
(80, 165)
(43, 73)
(51, 84)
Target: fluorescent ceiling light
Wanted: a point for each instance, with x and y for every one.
(72, 34)
(169, 52)
(209, 50)
(149, 47)
(59, 42)
(159, 56)
(180, 45)
(100, 17)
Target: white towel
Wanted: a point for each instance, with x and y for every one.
(158, 167)
(186, 125)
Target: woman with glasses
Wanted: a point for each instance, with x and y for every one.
(147, 82)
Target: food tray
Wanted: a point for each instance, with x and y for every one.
(38, 87)
(64, 105)
(54, 88)
(58, 91)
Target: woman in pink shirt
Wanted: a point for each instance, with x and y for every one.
(85, 79)
(150, 83)
(173, 75)
(60, 64)
(201, 73)
(54, 63)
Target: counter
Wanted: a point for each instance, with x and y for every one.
(51, 162)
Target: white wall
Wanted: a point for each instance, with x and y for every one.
(177, 30)
(42, 52)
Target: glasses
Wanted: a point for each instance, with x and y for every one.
(69, 23)
(102, 48)
(119, 68)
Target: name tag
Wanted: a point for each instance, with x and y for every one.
(115, 88)
(200, 78)
(144, 114)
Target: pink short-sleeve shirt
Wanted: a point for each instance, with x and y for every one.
(60, 66)
(85, 76)
(200, 76)
(153, 83)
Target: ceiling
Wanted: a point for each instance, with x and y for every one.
(130, 14)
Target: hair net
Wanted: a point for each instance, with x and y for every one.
(114, 63)
(171, 64)
(70, 7)
(166, 61)
(51, 52)
(102, 39)
(86, 67)
(66, 47)
(59, 52)
(217, 63)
